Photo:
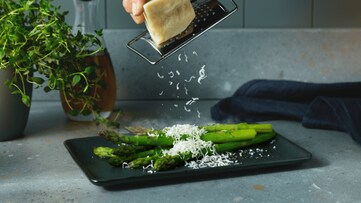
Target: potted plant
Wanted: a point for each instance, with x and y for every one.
(37, 47)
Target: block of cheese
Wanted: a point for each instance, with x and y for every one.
(167, 18)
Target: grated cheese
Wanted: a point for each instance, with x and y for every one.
(190, 102)
(185, 57)
(192, 143)
(171, 74)
(176, 131)
(190, 79)
(160, 76)
(202, 74)
(186, 109)
(216, 160)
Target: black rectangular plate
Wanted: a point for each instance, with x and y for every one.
(280, 151)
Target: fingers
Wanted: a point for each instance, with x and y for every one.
(135, 9)
(127, 4)
(138, 19)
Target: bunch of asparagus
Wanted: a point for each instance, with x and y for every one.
(137, 151)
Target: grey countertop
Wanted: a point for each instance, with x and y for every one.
(38, 168)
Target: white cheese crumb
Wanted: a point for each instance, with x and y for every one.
(185, 90)
(161, 93)
(171, 74)
(179, 57)
(202, 74)
(195, 53)
(190, 79)
(160, 76)
(178, 73)
(185, 57)
(186, 109)
(190, 102)
(177, 86)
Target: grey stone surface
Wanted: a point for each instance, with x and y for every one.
(233, 57)
(38, 168)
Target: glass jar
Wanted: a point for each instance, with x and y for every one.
(86, 21)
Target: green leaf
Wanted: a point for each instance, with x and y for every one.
(76, 80)
(26, 100)
(38, 80)
(47, 89)
(88, 70)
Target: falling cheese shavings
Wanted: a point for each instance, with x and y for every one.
(179, 57)
(177, 86)
(185, 57)
(161, 93)
(186, 109)
(170, 83)
(190, 79)
(202, 74)
(190, 102)
(195, 53)
(171, 74)
(185, 90)
(178, 73)
(176, 105)
(198, 113)
(160, 76)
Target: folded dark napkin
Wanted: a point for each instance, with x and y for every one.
(333, 106)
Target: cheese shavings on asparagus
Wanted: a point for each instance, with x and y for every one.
(192, 143)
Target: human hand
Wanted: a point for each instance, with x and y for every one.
(135, 9)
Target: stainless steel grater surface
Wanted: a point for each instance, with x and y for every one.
(208, 14)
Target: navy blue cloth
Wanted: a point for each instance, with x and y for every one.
(333, 106)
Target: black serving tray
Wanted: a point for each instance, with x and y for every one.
(278, 152)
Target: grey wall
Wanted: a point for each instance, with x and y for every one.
(252, 14)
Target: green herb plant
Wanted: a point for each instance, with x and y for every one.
(34, 38)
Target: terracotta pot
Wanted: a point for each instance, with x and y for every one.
(13, 113)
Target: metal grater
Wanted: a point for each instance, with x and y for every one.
(208, 14)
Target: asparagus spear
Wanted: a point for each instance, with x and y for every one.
(168, 162)
(143, 140)
(115, 160)
(215, 127)
(143, 161)
(229, 127)
(125, 150)
(162, 140)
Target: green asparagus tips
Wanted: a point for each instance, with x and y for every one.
(119, 160)
(103, 152)
(143, 161)
(169, 162)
